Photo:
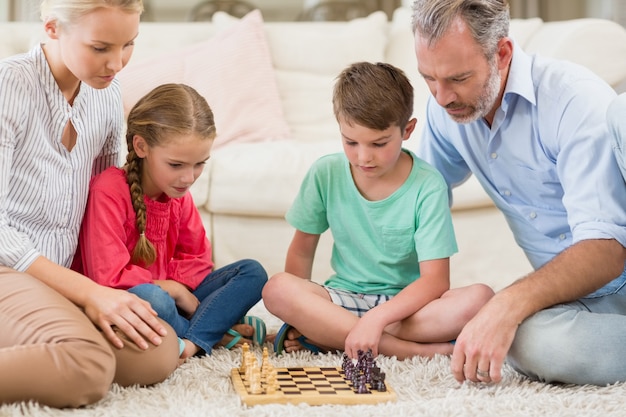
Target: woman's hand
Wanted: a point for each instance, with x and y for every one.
(111, 308)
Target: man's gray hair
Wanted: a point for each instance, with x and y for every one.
(487, 20)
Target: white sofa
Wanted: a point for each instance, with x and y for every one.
(270, 87)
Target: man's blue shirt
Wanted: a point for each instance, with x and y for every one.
(547, 160)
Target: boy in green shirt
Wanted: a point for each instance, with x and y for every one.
(388, 212)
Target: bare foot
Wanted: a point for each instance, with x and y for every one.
(245, 330)
(292, 342)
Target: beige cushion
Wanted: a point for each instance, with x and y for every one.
(589, 42)
(232, 70)
(308, 56)
(262, 179)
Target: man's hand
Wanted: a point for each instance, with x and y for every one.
(484, 342)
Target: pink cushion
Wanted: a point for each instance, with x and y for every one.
(232, 70)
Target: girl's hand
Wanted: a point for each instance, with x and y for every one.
(111, 308)
(185, 300)
(364, 336)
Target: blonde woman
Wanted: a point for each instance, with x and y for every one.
(63, 338)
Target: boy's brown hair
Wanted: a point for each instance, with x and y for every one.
(376, 96)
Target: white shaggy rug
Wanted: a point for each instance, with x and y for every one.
(202, 387)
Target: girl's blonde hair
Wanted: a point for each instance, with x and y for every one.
(166, 110)
(69, 11)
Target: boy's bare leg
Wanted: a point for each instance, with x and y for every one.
(443, 319)
(307, 307)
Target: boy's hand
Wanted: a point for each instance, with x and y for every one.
(364, 336)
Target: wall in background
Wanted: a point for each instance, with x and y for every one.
(277, 10)
(550, 10)
(178, 10)
(161, 10)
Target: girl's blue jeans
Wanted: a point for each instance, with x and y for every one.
(225, 296)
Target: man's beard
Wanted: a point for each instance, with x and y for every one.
(485, 101)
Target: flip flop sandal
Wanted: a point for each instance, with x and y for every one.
(181, 346)
(258, 337)
(236, 338)
(260, 330)
(281, 336)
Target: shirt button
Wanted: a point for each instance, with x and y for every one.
(507, 193)
(562, 236)
(493, 155)
(533, 215)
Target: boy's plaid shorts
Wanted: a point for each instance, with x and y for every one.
(356, 303)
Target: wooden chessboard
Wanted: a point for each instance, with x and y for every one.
(311, 385)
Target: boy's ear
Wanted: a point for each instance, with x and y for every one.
(410, 127)
(140, 146)
(52, 28)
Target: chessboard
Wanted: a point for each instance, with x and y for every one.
(310, 385)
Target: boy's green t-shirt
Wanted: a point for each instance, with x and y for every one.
(377, 244)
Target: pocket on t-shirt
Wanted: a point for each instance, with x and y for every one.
(399, 241)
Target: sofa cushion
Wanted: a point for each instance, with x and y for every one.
(159, 39)
(328, 47)
(400, 52)
(308, 56)
(307, 100)
(261, 179)
(597, 44)
(232, 70)
(19, 37)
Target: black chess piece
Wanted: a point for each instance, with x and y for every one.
(362, 386)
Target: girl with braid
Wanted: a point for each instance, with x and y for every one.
(142, 231)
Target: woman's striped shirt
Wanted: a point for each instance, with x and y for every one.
(43, 186)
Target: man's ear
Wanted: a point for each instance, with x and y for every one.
(505, 52)
(410, 127)
(140, 146)
(51, 27)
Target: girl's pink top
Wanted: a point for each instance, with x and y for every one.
(108, 237)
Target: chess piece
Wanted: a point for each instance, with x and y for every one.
(361, 386)
(255, 381)
(271, 384)
(244, 350)
(251, 364)
(348, 370)
(265, 363)
(379, 383)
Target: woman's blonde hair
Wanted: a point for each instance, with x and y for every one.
(69, 11)
(166, 110)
